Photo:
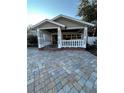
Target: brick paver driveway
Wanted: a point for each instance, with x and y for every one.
(63, 71)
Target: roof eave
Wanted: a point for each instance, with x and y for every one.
(87, 23)
(46, 20)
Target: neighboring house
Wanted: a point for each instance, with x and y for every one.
(63, 31)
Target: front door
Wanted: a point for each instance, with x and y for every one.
(54, 39)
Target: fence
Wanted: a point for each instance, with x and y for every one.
(92, 40)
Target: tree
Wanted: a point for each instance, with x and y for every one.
(29, 28)
(88, 10)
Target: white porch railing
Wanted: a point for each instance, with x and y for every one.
(73, 43)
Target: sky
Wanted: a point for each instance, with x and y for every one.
(39, 10)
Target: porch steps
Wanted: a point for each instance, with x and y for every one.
(59, 49)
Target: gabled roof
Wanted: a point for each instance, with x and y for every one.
(60, 24)
(50, 21)
(68, 17)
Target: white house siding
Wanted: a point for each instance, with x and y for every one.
(46, 38)
(68, 23)
(46, 24)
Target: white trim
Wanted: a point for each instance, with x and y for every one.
(49, 28)
(74, 27)
(56, 23)
(84, 22)
(39, 23)
(85, 36)
(38, 37)
(59, 37)
(85, 32)
(66, 28)
(47, 20)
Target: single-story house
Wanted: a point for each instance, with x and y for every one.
(62, 31)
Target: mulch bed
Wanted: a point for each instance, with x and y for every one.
(92, 49)
(32, 45)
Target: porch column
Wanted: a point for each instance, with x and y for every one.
(59, 38)
(39, 38)
(85, 37)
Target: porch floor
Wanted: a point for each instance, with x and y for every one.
(61, 71)
(55, 47)
(50, 46)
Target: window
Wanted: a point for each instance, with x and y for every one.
(64, 36)
(78, 36)
(73, 36)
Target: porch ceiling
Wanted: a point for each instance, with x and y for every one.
(52, 30)
(68, 30)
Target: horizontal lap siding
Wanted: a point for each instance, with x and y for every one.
(45, 39)
(47, 24)
(68, 23)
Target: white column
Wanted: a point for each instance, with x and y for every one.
(59, 38)
(85, 36)
(39, 38)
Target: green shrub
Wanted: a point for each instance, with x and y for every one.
(32, 40)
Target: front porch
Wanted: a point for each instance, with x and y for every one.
(62, 38)
(63, 31)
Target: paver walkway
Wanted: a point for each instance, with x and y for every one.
(63, 71)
